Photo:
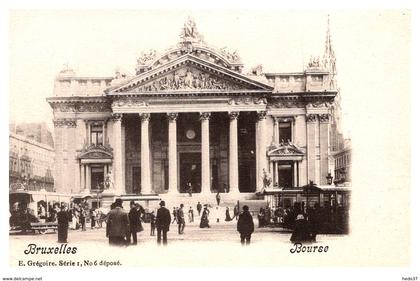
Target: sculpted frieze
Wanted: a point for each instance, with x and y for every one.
(129, 102)
(318, 104)
(63, 123)
(247, 101)
(82, 107)
(188, 79)
(286, 104)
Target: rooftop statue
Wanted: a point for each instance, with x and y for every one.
(314, 62)
(189, 32)
(146, 57)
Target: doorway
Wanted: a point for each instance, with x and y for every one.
(190, 171)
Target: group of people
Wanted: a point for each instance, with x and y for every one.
(120, 223)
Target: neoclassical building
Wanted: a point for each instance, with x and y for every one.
(191, 119)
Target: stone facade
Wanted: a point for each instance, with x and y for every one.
(31, 164)
(191, 121)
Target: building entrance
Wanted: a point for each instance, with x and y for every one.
(190, 172)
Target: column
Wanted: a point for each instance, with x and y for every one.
(82, 177)
(146, 187)
(117, 165)
(295, 174)
(172, 153)
(310, 133)
(205, 152)
(323, 147)
(276, 173)
(233, 152)
(260, 147)
(276, 130)
(88, 187)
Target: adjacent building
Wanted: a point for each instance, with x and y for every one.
(31, 164)
(190, 120)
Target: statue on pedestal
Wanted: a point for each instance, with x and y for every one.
(266, 179)
(109, 182)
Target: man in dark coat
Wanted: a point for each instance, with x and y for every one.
(63, 219)
(163, 220)
(117, 226)
(199, 207)
(181, 219)
(134, 219)
(301, 231)
(245, 225)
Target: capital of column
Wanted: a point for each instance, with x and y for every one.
(205, 115)
(311, 118)
(261, 115)
(324, 118)
(234, 115)
(116, 116)
(172, 116)
(145, 116)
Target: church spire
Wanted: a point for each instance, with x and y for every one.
(329, 59)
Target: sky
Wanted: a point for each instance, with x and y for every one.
(96, 43)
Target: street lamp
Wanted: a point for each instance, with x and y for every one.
(329, 179)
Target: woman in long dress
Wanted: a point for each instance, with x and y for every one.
(205, 218)
(228, 218)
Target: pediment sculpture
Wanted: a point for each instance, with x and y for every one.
(285, 149)
(188, 79)
(96, 151)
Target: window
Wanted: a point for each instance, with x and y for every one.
(285, 174)
(285, 131)
(97, 177)
(96, 134)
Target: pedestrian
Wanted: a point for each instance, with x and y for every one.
(152, 223)
(175, 214)
(227, 217)
(134, 220)
(92, 218)
(245, 225)
(205, 218)
(117, 226)
(189, 189)
(191, 214)
(82, 219)
(236, 211)
(63, 219)
(261, 218)
(301, 232)
(199, 207)
(218, 198)
(181, 219)
(163, 220)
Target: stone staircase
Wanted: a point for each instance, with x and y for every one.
(226, 200)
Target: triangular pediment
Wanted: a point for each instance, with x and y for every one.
(189, 73)
(285, 149)
(96, 152)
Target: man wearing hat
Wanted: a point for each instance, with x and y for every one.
(245, 225)
(63, 219)
(117, 226)
(135, 222)
(163, 220)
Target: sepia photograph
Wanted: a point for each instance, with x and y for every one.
(208, 138)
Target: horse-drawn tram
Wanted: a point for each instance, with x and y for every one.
(35, 211)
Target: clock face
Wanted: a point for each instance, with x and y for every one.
(190, 134)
